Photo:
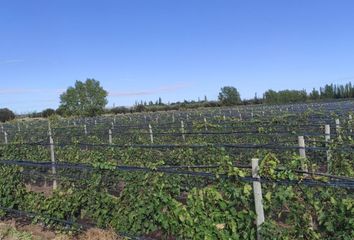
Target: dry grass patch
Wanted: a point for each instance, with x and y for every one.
(10, 231)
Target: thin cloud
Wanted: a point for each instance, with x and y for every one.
(30, 103)
(163, 89)
(10, 61)
(5, 91)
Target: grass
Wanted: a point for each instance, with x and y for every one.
(9, 231)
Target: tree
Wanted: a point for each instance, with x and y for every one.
(285, 96)
(229, 96)
(6, 115)
(139, 108)
(48, 112)
(85, 99)
(160, 101)
(314, 95)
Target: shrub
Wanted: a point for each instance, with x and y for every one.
(118, 110)
(48, 112)
(6, 115)
(139, 108)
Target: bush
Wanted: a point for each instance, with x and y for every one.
(6, 115)
(118, 110)
(48, 112)
(139, 108)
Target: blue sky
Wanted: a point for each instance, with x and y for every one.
(173, 49)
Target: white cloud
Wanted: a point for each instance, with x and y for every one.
(4, 91)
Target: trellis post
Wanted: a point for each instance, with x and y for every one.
(302, 152)
(327, 139)
(5, 137)
(151, 134)
(350, 118)
(258, 199)
(337, 126)
(110, 136)
(182, 130)
(52, 158)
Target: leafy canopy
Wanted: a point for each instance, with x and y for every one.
(6, 115)
(85, 99)
(229, 95)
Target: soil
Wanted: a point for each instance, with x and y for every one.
(12, 230)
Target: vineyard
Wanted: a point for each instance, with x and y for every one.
(247, 172)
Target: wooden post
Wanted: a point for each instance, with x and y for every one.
(18, 127)
(52, 157)
(5, 137)
(258, 199)
(350, 118)
(205, 124)
(304, 168)
(110, 136)
(173, 117)
(85, 129)
(182, 130)
(49, 129)
(327, 132)
(302, 153)
(151, 134)
(327, 139)
(112, 125)
(337, 126)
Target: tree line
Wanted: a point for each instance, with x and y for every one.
(329, 91)
(90, 99)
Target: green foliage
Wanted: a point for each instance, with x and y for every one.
(48, 112)
(85, 99)
(169, 206)
(285, 96)
(229, 96)
(6, 115)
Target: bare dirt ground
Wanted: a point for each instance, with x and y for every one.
(10, 230)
